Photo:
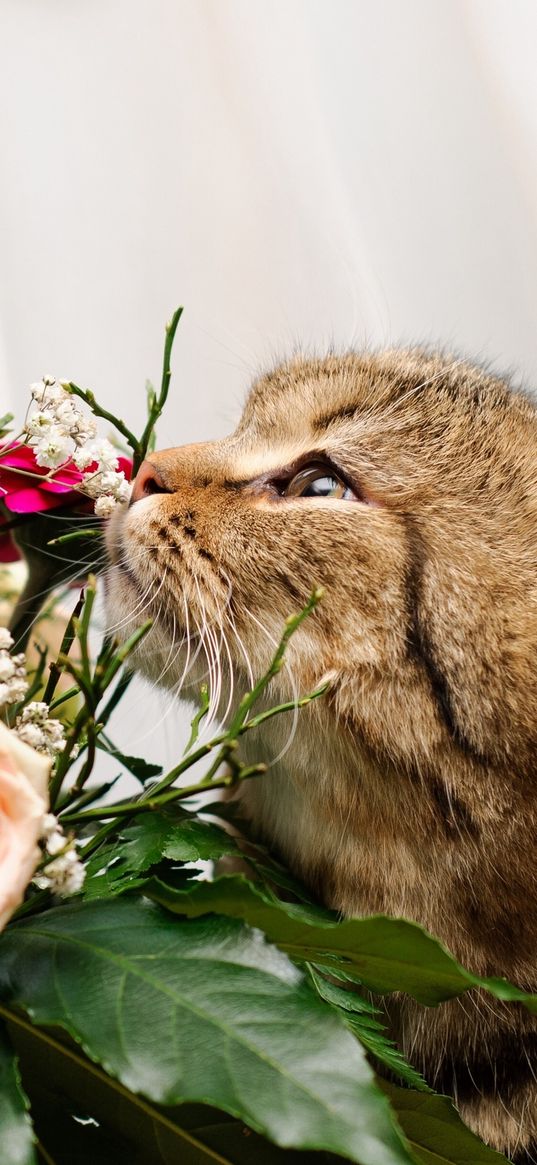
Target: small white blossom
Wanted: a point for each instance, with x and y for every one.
(18, 688)
(83, 457)
(53, 449)
(104, 506)
(6, 640)
(7, 667)
(65, 875)
(55, 736)
(58, 430)
(13, 682)
(52, 835)
(39, 423)
(123, 489)
(36, 712)
(50, 825)
(36, 729)
(32, 735)
(56, 843)
(86, 428)
(47, 392)
(67, 414)
(105, 454)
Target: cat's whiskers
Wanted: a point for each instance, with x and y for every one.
(142, 605)
(211, 657)
(228, 613)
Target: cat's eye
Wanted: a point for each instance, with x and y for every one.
(317, 481)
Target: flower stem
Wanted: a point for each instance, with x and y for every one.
(157, 403)
(86, 395)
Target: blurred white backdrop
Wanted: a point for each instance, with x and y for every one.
(295, 172)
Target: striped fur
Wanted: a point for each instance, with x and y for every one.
(412, 788)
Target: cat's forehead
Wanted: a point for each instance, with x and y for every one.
(410, 414)
(398, 387)
(408, 383)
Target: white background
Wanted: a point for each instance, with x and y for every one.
(296, 172)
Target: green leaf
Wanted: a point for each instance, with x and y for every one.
(16, 1132)
(386, 954)
(136, 765)
(362, 1018)
(435, 1130)
(203, 1010)
(173, 834)
(82, 1115)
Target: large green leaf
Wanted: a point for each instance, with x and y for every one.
(204, 1011)
(82, 1115)
(16, 1134)
(386, 954)
(173, 835)
(435, 1130)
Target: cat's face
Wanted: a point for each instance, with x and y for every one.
(406, 486)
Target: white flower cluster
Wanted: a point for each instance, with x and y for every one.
(35, 728)
(59, 430)
(13, 682)
(65, 874)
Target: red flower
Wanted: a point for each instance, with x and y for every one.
(29, 488)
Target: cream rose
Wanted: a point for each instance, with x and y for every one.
(23, 802)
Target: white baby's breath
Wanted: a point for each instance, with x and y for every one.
(59, 430)
(13, 682)
(105, 454)
(65, 874)
(6, 639)
(104, 506)
(36, 728)
(54, 448)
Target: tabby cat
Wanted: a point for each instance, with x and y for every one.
(404, 483)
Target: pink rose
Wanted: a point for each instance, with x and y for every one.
(24, 777)
(29, 488)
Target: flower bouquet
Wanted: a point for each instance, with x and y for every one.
(152, 1009)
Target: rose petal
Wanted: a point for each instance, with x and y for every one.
(30, 501)
(23, 802)
(126, 465)
(20, 456)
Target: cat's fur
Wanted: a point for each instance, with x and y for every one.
(411, 789)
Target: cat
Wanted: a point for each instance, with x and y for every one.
(405, 484)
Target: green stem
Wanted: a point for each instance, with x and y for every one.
(133, 808)
(86, 532)
(86, 395)
(64, 759)
(157, 404)
(65, 647)
(195, 725)
(161, 794)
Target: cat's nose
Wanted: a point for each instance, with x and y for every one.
(148, 481)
